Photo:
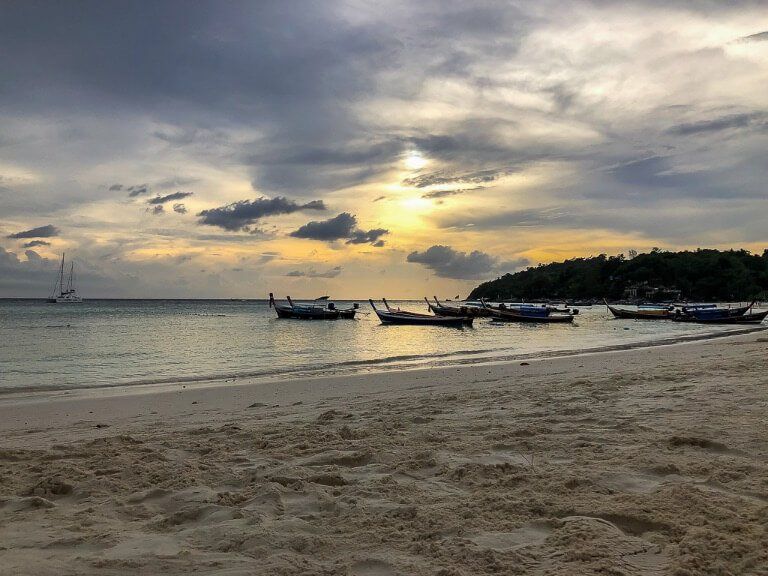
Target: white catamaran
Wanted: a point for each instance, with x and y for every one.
(62, 295)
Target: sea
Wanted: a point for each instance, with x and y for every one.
(123, 343)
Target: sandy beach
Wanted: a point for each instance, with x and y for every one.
(639, 462)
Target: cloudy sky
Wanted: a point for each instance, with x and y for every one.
(226, 149)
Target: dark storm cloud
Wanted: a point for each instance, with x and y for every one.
(312, 273)
(446, 262)
(169, 197)
(728, 122)
(35, 243)
(240, 215)
(47, 231)
(342, 226)
(287, 70)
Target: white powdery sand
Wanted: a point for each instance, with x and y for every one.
(640, 462)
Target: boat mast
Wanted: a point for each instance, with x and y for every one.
(61, 275)
(71, 276)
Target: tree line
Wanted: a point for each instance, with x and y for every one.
(698, 275)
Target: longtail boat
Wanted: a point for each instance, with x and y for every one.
(530, 314)
(751, 318)
(712, 312)
(397, 316)
(440, 309)
(326, 311)
(643, 313)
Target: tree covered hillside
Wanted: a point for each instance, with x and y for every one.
(698, 275)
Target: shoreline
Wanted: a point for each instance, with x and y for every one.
(645, 461)
(462, 358)
(111, 407)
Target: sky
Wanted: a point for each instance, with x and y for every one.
(229, 149)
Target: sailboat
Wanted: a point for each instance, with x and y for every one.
(62, 295)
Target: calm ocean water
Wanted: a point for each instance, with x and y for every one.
(128, 342)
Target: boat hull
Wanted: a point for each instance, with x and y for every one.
(449, 311)
(289, 313)
(506, 316)
(65, 300)
(753, 318)
(451, 321)
(641, 314)
(311, 311)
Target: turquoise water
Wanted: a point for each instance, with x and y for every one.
(129, 342)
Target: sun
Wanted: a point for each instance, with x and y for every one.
(413, 160)
(416, 203)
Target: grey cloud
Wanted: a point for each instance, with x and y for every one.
(267, 257)
(378, 198)
(157, 209)
(370, 237)
(336, 228)
(714, 125)
(240, 215)
(441, 194)
(176, 182)
(116, 187)
(545, 217)
(312, 273)
(759, 37)
(687, 224)
(47, 231)
(434, 194)
(18, 277)
(653, 172)
(441, 178)
(290, 93)
(342, 226)
(302, 167)
(32, 278)
(36, 243)
(446, 262)
(169, 197)
(180, 208)
(134, 191)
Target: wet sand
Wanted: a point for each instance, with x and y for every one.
(649, 461)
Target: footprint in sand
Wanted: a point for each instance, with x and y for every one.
(527, 535)
(371, 567)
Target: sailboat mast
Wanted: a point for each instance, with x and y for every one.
(61, 274)
(71, 273)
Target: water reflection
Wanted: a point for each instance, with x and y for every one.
(120, 342)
